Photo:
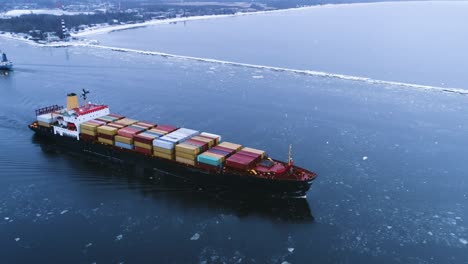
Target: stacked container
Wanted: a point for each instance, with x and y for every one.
(110, 118)
(188, 151)
(216, 138)
(88, 129)
(245, 159)
(231, 146)
(164, 129)
(144, 141)
(106, 134)
(124, 139)
(126, 121)
(164, 146)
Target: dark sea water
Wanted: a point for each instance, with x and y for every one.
(391, 160)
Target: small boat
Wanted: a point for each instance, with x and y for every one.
(5, 64)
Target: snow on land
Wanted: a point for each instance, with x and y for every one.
(111, 28)
(55, 12)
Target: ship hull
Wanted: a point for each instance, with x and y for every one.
(6, 66)
(189, 174)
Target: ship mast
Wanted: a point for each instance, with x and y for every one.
(290, 161)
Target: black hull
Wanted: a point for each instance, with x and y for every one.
(198, 177)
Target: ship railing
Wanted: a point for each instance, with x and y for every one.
(48, 109)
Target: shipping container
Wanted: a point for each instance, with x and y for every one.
(209, 141)
(106, 141)
(186, 155)
(89, 132)
(163, 155)
(163, 144)
(146, 125)
(261, 152)
(87, 137)
(118, 126)
(122, 139)
(126, 121)
(107, 130)
(217, 138)
(166, 128)
(163, 150)
(185, 161)
(239, 161)
(143, 150)
(123, 145)
(208, 159)
(110, 137)
(187, 148)
(143, 145)
(230, 145)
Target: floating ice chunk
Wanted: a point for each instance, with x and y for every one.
(196, 236)
(430, 233)
(365, 158)
(18, 239)
(463, 241)
(389, 227)
(387, 197)
(291, 250)
(7, 218)
(119, 237)
(88, 245)
(358, 238)
(257, 76)
(64, 212)
(38, 215)
(285, 262)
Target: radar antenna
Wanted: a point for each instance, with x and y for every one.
(84, 95)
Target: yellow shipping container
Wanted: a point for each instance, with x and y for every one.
(126, 121)
(123, 139)
(108, 130)
(186, 155)
(143, 145)
(163, 150)
(257, 151)
(187, 148)
(163, 155)
(185, 161)
(43, 124)
(106, 141)
(210, 141)
(86, 126)
(89, 132)
(229, 145)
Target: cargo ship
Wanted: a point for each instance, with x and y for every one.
(5, 64)
(199, 158)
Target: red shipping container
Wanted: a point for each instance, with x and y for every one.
(87, 137)
(105, 136)
(167, 128)
(117, 116)
(143, 139)
(143, 150)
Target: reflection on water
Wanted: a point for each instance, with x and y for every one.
(176, 192)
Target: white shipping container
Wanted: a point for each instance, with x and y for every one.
(211, 135)
(163, 144)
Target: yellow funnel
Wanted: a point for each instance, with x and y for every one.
(72, 101)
